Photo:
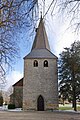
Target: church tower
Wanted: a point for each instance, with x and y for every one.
(40, 83)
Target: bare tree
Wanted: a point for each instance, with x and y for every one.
(14, 14)
(71, 9)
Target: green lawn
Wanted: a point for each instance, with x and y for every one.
(68, 107)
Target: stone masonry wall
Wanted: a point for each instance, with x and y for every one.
(40, 81)
(18, 96)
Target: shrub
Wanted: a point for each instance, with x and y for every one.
(11, 106)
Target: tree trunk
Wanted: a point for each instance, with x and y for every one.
(74, 100)
(74, 89)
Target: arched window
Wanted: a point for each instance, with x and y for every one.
(35, 63)
(45, 63)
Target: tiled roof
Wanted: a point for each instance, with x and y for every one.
(19, 83)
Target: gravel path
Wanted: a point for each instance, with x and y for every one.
(56, 115)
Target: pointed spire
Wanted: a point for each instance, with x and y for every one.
(41, 40)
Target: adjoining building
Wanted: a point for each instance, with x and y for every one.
(16, 97)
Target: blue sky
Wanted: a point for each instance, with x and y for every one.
(58, 38)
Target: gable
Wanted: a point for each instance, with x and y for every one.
(19, 83)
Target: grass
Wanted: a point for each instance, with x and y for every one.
(68, 107)
(78, 108)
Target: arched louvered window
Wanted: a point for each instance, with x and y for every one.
(35, 63)
(45, 63)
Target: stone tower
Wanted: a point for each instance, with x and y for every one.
(40, 84)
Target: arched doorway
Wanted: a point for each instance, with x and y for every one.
(40, 103)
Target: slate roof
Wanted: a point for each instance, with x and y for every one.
(40, 53)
